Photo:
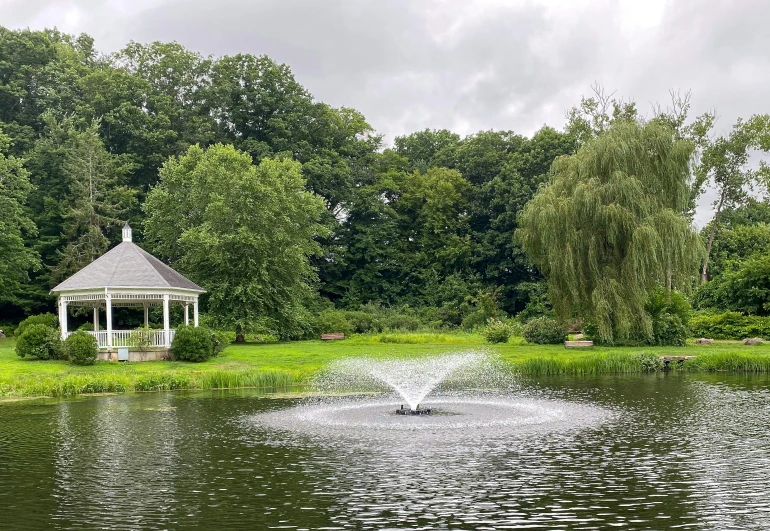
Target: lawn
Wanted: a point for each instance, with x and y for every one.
(283, 365)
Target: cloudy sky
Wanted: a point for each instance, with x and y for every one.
(464, 65)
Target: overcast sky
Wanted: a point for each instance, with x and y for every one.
(465, 65)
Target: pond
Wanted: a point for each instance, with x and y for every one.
(663, 451)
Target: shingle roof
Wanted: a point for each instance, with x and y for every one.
(126, 265)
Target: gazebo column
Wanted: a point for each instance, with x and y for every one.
(108, 313)
(195, 312)
(146, 315)
(186, 314)
(166, 325)
(96, 317)
(63, 317)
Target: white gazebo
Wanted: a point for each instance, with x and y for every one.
(127, 276)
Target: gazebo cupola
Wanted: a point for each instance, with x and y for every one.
(127, 276)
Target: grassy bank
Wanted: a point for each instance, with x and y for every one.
(281, 366)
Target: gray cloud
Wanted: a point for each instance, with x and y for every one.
(464, 65)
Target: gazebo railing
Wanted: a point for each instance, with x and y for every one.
(122, 338)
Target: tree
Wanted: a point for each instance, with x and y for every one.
(243, 232)
(17, 259)
(725, 163)
(96, 201)
(609, 228)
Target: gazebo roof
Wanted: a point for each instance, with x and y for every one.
(126, 266)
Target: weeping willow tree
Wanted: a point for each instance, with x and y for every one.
(608, 229)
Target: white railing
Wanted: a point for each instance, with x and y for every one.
(122, 338)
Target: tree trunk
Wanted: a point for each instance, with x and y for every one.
(714, 224)
(239, 337)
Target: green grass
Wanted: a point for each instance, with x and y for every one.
(281, 366)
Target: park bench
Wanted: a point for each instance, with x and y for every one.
(578, 344)
(328, 337)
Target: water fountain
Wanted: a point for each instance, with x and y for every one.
(442, 398)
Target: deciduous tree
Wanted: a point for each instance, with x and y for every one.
(609, 227)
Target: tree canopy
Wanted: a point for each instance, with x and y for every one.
(609, 228)
(242, 232)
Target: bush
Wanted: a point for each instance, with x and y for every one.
(220, 341)
(192, 344)
(545, 331)
(363, 322)
(81, 348)
(401, 321)
(669, 331)
(332, 322)
(47, 319)
(497, 331)
(729, 325)
(474, 320)
(39, 341)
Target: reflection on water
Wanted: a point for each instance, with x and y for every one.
(677, 451)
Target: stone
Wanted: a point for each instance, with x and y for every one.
(2, 335)
(753, 341)
(704, 341)
(578, 337)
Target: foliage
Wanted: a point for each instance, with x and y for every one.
(670, 313)
(192, 344)
(47, 319)
(219, 341)
(243, 232)
(39, 341)
(608, 228)
(141, 338)
(332, 322)
(81, 348)
(725, 164)
(545, 331)
(15, 224)
(743, 287)
(729, 325)
(497, 331)
(97, 199)
(650, 362)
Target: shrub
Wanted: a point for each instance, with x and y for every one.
(47, 319)
(363, 322)
(545, 331)
(401, 321)
(669, 331)
(649, 362)
(332, 322)
(474, 320)
(219, 341)
(141, 338)
(39, 341)
(729, 325)
(497, 331)
(192, 344)
(81, 348)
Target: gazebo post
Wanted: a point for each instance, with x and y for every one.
(146, 316)
(166, 326)
(108, 308)
(186, 314)
(96, 317)
(63, 317)
(195, 312)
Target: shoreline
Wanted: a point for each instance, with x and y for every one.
(282, 366)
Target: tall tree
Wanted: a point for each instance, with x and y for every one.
(97, 200)
(243, 232)
(725, 165)
(17, 259)
(609, 227)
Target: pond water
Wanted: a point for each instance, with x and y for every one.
(673, 451)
